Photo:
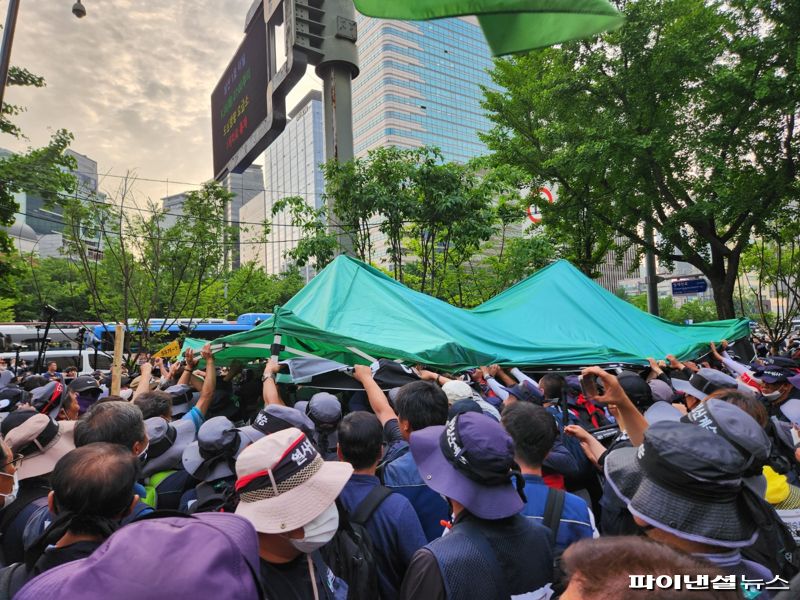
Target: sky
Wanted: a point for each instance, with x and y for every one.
(132, 81)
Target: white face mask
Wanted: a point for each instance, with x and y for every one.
(12, 495)
(772, 396)
(318, 532)
(142, 456)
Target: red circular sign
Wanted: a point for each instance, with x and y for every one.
(536, 217)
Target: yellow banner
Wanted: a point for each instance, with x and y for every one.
(171, 350)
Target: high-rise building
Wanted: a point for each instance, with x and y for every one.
(173, 208)
(292, 166)
(618, 267)
(39, 225)
(245, 186)
(420, 85)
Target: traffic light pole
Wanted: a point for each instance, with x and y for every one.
(651, 277)
(8, 40)
(338, 67)
(338, 110)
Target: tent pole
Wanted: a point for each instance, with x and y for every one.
(276, 347)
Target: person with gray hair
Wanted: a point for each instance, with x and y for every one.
(113, 422)
(92, 493)
(117, 423)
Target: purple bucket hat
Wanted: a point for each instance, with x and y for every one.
(471, 460)
(141, 560)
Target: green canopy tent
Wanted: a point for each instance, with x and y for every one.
(353, 313)
(560, 303)
(509, 25)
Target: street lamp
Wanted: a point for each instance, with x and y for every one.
(78, 9)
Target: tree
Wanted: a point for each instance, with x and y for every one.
(42, 171)
(262, 292)
(451, 230)
(349, 188)
(374, 192)
(317, 246)
(514, 250)
(771, 267)
(136, 267)
(683, 121)
(58, 282)
(450, 217)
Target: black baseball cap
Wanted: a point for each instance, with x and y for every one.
(83, 383)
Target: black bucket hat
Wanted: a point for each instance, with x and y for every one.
(688, 481)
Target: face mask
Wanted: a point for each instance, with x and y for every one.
(143, 454)
(318, 532)
(772, 396)
(12, 495)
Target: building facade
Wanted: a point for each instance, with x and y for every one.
(39, 225)
(292, 166)
(244, 186)
(619, 268)
(420, 85)
(173, 208)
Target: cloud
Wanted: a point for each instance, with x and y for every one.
(132, 80)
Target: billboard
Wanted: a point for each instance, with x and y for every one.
(239, 101)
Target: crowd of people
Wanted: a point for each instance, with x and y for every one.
(194, 481)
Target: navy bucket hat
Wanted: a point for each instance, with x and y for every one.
(471, 460)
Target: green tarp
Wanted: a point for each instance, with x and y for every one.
(509, 25)
(561, 303)
(351, 312)
(352, 305)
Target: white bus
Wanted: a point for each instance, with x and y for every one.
(85, 361)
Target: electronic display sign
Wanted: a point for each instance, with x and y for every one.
(239, 101)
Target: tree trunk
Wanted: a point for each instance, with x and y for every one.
(722, 285)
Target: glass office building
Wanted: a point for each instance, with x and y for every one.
(420, 84)
(292, 167)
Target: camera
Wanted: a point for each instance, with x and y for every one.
(79, 10)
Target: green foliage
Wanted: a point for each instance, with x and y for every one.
(698, 311)
(682, 120)
(146, 268)
(349, 187)
(450, 230)
(6, 309)
(317, 246)
(58, 282)
(41, 171)
(252, 290)
(770, 272)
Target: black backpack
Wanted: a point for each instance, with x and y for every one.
(553, 509)
(12, 579)
(217, 497)
(775, 548)
(351, 554)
